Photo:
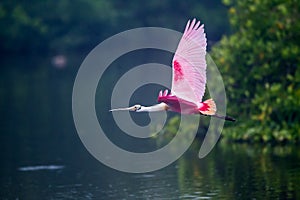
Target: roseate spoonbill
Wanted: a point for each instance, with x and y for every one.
(188, 78)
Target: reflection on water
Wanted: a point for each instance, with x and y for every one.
(41, 167)
(43, 158)
(243, 171)
(229, 172)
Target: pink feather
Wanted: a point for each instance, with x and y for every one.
(189, 64)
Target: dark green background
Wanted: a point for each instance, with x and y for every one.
(255, 45)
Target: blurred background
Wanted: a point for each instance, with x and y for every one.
(255, 44)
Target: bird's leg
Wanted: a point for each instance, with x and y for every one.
(227, 118)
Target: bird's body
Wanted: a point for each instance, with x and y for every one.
(175, 104)
(178, 105)
(188, 78)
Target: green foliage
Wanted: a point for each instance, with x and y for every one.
(260, 65)
(56, 25)
(43, 26)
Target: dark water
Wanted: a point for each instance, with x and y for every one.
(43, 158)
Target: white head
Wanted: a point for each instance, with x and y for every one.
(135, 108)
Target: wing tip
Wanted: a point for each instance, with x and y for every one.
(193, 24)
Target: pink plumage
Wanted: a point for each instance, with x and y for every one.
(189, 74)
(189, 64)
(188, 78)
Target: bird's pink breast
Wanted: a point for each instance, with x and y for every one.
(179, 105)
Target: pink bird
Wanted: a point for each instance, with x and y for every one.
(188, 78)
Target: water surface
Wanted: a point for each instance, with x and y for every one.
(43, 158)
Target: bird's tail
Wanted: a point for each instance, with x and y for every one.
(208, 107)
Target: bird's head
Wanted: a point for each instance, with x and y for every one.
(135, 108)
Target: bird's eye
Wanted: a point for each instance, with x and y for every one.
(138, 107)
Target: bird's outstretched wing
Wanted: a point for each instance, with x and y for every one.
(189, 64)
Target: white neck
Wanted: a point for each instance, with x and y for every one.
(154, 108)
